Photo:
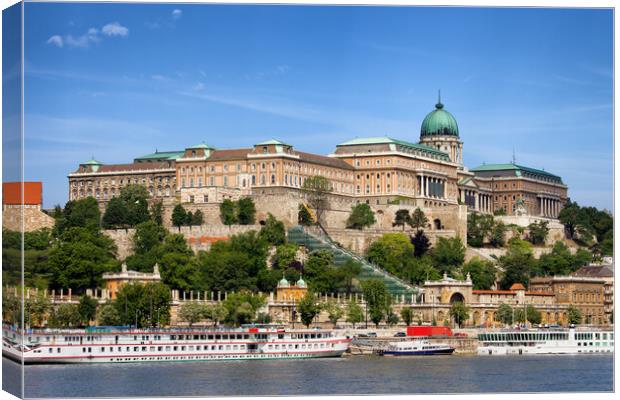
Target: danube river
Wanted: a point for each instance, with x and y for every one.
(351, 375)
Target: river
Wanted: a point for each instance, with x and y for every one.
(350, 375)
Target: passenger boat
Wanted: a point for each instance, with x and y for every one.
(416, 347)
(543, 341)
(122, 345)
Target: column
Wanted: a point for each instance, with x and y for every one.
(476, 201)
(426, 187)
(463, 196)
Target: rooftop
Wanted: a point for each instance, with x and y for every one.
(12, 193)
(272, 141)
(158, 155)
(519, 170)
(389, 140)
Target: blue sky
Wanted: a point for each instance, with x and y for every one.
(119, 80)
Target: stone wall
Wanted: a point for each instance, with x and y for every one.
(34, 219)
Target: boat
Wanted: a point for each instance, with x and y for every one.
(124, 345)
(416, 347)
(545, 341)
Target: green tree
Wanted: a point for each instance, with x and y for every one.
(87, 309)
(316, 190)
(216, 313)
(36, 309)
(504, 314)
(448, 254)
(148, 236)
(348, 272)
(179, 268)
(420, 269)
(418, 219)
(402, 218)
(421, 243)
(273, 231)
(498, 235)
(355, 313)
(391, 318)
(538, 232)
(308, 308)
(320, 272)
(242, 307)
(391, 252)
(116, 215)
(82, 213)
(197, 218)
(228, 212)
(108, 316)
(558, 262)
(479, 226)
(483, 273)
(246, 211)
(65, 316)
(460, 312)
(80, 258)
(334, 311)
(361, 216)
(533, 315)
(135, 199)
(189, 217)
(144, 305)
(157, 213)
(569, 216)
(191, 312)
(517, 264)
(378, 300)
(284, 256)
(407, 315)
(574, 315)
(179, 216)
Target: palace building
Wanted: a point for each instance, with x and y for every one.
(381, 171)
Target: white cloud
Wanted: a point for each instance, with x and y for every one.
(176, 13)
(199, 86)
(80, 41)
(56, 40)
(115, 29)
(93, 31)
(283, 68)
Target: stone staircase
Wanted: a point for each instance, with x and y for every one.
(320, 241)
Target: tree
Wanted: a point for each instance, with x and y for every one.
(402, 218)
(355, 314)
(65, 316)
(228, 213)
(504, 314)
(157, 213)
(320, 272)
(143, 305)
(418, 219)
(378, 300)
(558, 262)
(108, 316)
(191, 312)
(179, 216)
(285, 255)
(421, 243)
(273, 231)
(197, 218)
(482, 272)
(448, 254)
(242, 307)
(135, 199)
(538, 232)
(419, 270)
(569, 216)
(517, 263)
(246, 211)
(308, 308)
(189, 217)
(79, 259)
(498, 235)
(116, 215)
(407, 315)
(216, 313)
(303, 216)
(479, 226)
(533, 315)
(348, 272)
(392, 318)
(460, 312)
(574, 315)
(82, 213)
(361, 216)
(179, 268)
(263, 318)
(391, 252)
(36, 309)
(316, 190)
(334, 312)
(148, 236)
(87, 309)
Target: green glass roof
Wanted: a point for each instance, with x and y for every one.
(439, 122)
(272, 141)
(389, 140)
(519, 170)
(169, 155)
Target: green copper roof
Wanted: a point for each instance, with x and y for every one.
(168, 155)
(389, 140)
(92, 161)
(519, 170)
(202, 145)
(439, 122)
(272, 141)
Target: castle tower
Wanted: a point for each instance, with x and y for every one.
(440, 131)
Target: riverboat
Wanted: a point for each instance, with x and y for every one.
(123, 345)
(416, 347)
(543, 341)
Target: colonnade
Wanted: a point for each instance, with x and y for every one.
(430, 186)
(549, 206)
(482, 202)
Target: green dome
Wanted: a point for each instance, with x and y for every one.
(439, 122)
(301, 283)
(283, 283)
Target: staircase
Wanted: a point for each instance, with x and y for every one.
(315, 241)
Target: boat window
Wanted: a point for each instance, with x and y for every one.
(296, 346)
(198, 347)
(220, 347)
(239, 336)
(604, 336)
(212, 347)
(210, 337)
(58, 350)
(167, 348)
(159, 348)
(135, 348)
(218, 337)
(236, 347)
(246, 336)
(175, 348)
(280, 336)
(203, 337)
(227, 347)
(103, 349)
(241, 346)
(173, 337)
(224, 337)
(90, 350)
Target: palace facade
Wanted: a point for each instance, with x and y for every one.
(378, 170)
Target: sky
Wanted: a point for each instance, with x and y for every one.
(117, 81)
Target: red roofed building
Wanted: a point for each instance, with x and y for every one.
(26, 197)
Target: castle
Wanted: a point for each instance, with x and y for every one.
(383, 172)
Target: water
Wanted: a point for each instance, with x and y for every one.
(352, 375)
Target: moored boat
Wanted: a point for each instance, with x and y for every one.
(121, 345)
(416, 347)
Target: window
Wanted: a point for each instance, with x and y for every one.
(206, 198)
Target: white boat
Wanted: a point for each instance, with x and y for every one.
(416, 347)
(117, 345)
(543, 341)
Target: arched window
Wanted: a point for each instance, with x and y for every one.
(273, 179)
(253, 179)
